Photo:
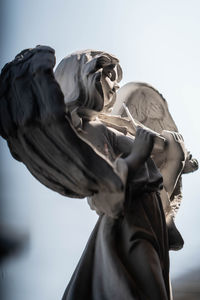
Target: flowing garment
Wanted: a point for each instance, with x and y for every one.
(126, 256)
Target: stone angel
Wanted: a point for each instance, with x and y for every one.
(51, 123)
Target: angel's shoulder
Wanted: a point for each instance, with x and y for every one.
(95, 125)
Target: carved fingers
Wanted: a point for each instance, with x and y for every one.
(144, 141)
(175, 145)
(191, 164)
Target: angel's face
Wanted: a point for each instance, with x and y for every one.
(88, 79)
(109, 81)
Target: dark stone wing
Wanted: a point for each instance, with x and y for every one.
(34, 123)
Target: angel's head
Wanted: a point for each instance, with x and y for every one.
(89, 80)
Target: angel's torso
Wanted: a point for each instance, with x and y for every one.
(101, 138)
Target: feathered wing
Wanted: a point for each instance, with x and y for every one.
(149, 107)
(33, 121)
(146, 105)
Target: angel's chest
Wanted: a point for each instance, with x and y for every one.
(100, 141)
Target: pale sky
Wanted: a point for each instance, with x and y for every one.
(157, 42)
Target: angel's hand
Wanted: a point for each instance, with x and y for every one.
(141, 150)
(143, 144)
(175, 148)
(191, 164)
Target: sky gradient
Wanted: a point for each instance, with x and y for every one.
(157, 42)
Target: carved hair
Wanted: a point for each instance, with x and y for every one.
(79, 76)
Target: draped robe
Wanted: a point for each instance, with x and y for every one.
(126, 256)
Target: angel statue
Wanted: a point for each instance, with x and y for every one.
(53, 124)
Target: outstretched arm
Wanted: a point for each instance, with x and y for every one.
(174, 160)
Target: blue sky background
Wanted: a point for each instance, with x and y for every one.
(157, 42)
